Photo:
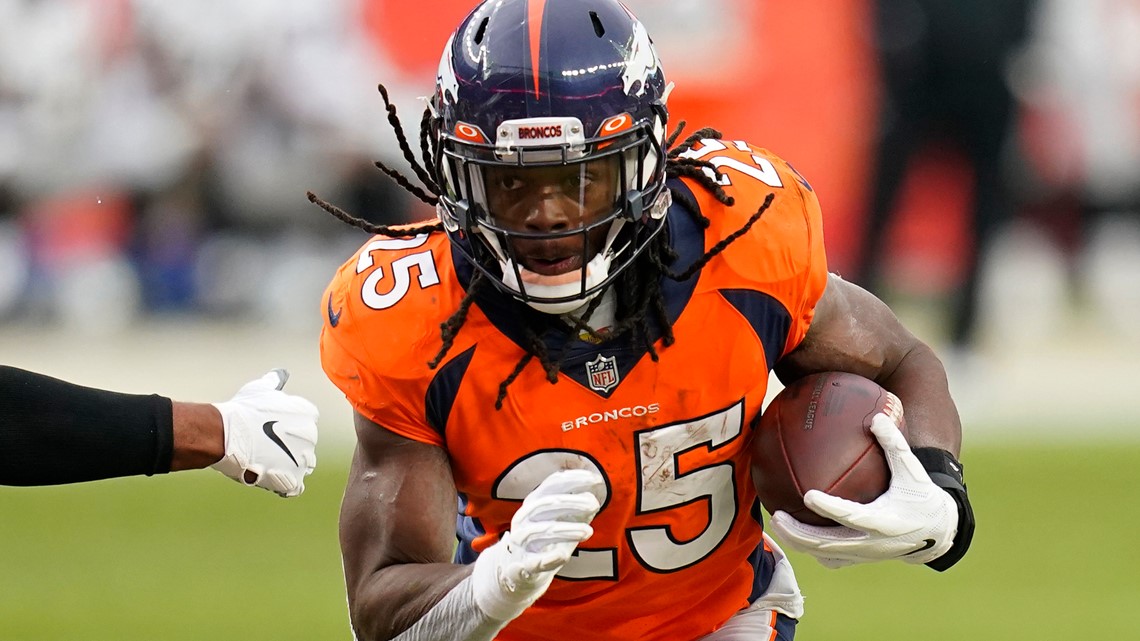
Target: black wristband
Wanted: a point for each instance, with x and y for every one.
(948, 474)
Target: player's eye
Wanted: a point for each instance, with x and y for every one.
(586, 178)
(508, 182)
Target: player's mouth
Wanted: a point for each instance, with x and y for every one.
(550, 257)
(553, 266)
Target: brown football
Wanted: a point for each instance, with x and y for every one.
(815, 434)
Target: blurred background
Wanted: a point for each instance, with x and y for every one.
(978, 162)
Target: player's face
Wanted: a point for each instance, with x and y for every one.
(544, 200)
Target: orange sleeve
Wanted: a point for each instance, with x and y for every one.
(814, 274)
(357, 355)
(371, 395)
(783, 254)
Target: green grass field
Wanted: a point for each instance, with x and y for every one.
(195, 556)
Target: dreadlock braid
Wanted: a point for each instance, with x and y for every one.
(402, 181)
(673, 136)
(580, 325)
(449, 329)
(394, 119)
(536, 348)
(697, 170)
(725, 242)
(372, 228)
(427, 149)
(638, 289)
(694, 138)
(663, 256)
(519, 367)
(540, 350)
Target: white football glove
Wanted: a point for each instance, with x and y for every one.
(553, 519)
(271, 436)
(914, 520)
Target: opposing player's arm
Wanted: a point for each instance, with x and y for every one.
(854, 331)
(55, 432)
(397, 531)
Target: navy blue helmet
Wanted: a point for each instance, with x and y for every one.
(549, 83)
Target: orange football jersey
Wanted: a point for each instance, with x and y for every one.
(677, 544)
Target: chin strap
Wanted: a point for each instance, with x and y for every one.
(947, 473)
(543, 291)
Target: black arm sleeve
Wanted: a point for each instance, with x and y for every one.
(54, 432)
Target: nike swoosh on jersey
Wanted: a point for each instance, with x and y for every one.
(334, 317)
(268, 429)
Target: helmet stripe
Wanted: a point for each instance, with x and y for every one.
(535, 10)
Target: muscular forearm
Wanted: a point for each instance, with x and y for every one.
(910, 370)
(855, 332)
(919, 380)
(393, 600)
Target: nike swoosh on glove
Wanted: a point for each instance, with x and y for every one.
(553, 519)
(271, 436)
(914, 520)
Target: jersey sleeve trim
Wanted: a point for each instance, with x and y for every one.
(768, 317)
(815, 279)
(443, 389)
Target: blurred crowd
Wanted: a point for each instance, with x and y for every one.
(154, 155)
(1040, 102)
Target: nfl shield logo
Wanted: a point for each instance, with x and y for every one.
(602, 372)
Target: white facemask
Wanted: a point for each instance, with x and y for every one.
(558, 286)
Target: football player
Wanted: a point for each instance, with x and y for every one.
(54, 432)
(564, 369)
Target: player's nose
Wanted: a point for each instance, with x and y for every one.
(551, 210)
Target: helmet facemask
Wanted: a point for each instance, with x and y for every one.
(549, 87)
(610, 195)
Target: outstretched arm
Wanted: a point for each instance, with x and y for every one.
(54, 432)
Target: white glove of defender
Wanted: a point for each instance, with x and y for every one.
(271, 436)
(553, 519)
(914, 520)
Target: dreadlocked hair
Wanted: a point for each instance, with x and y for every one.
(639, 296)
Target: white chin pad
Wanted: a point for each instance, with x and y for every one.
(540, 287)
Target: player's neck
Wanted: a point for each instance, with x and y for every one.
(602, 318)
